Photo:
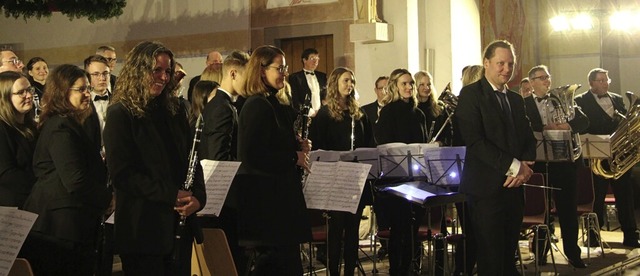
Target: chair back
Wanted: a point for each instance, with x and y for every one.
(21, 267)
(585, 195)
(535, 198)
(216, 256)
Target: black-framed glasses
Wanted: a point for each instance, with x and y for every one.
(542, 78)
(111, 59)
(603, 81)
(81, 89)
(281, 69)
(104, 74)
(15, 61)
(23, 93)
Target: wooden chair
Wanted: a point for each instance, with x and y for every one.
(214, 255)
(21, 267)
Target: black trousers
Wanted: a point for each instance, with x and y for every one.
(160, 265)
(496, 222)
(344, 229)
(51, 256)
(623, 192)
(276, 260)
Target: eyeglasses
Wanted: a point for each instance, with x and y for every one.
(23, 93)
(15, 61)
(281, 69)
(81, 89)
(314, 58)
(96, 75)
(542, 78)
(111, 59)
(603, 81)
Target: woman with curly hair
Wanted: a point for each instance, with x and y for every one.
(71, 194)
(341, 125)
(147, 147)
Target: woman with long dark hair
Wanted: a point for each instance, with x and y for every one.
(71, 194)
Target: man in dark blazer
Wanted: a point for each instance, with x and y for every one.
(541, 110)
(219, 142)
(308, 82)
(499, 156)
(601, 107)
(373, 108)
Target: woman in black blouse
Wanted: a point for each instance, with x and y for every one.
(272, 213)
(428, 103)
(341, 125)
(71, 194)
(400, 121)
(17, 139)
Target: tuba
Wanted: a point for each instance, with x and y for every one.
(625, 141)
(563, 111)
(449, 101)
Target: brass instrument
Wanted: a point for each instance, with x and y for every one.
(625, 141)
(563, 105)
(449, 101)
(188, 182)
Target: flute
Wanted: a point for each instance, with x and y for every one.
(188, 182)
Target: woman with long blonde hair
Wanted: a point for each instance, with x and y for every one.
(341, 125)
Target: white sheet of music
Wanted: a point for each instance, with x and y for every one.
(366, 156)
(218, 176)
(14, 227)
(412, 193)
(335, 186)
(325, 155)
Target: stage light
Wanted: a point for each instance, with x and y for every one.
(560, 23)
(453, 175)
(582, 21)
(416, 168)
(624, 21)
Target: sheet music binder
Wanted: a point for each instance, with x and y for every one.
(403, 160)
(554, 146)
(595, 146)
(445, 164)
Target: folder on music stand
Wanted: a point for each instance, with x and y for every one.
(365, 156)
(445, 164)
(554, 146)
(595, 146)
(403, 160)
(424, 194)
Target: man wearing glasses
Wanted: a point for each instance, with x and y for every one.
(109, 53)
(373, 109)
(602, 106)
(10, 62)
(308, 82)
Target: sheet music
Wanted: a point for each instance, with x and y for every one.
(442, 164)
(335, 186)
(325, 155)
(394, 161)
(411, 193)
(14, 226)
(218, 176)
(365, 156)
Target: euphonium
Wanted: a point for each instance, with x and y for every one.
(625, 141)
(449, 101)
(561, 109)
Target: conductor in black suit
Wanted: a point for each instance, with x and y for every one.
(308, 82)
(500, 153)
(601, 107)
(548, 114)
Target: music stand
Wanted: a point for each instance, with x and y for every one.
(554, 146)
(403, 161)
(595, 146)
(445, 165)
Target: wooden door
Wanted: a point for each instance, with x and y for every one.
(293, 48)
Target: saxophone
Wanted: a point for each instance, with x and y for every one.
(625, 152)
(188, 182)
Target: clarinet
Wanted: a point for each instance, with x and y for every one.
(304, 126)
(188, 182)
(36, 107)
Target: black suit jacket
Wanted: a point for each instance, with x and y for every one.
(300, 87)
(579, 123)
(147, 166)
(271, 209)
(599, 120)
(71, 194)
(484, 130)
(400, 122)
(16, 174)
(372, 113)
(219, 134)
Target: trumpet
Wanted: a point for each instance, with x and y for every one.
(624, 143)
(188, 182)
(449, 101)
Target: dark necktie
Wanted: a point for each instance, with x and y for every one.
(101, 98)
(603, 96)
(540, 99)
(510, 126)
(310, 73)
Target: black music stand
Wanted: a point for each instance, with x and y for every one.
(445, 165)
(403, 161)
(595, 146)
